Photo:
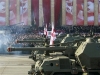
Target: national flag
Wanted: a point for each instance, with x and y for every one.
(53, 35)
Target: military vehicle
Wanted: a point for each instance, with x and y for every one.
(40, 42)
(34, 40)
(60, 41)
(83, 60)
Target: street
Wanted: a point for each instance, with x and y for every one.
(15, 64)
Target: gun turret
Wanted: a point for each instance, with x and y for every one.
(71, 40)
(89, 51)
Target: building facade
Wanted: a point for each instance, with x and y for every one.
(42, 12)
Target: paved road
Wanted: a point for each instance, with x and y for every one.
(15, 64)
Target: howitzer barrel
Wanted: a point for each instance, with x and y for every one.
(30, 41)
(38, 48)
(33, 38)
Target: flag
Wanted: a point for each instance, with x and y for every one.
(53, 35)
(45, 30)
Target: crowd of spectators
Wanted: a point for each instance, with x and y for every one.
(29, 31)
(80, 29)
(21, 32)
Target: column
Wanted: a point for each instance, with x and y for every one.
(18, 11)
(29, 12)
(41, 18)
(74, 12)
(85, 13)
(96, 12)
(63, 12)
(52, 11)
(7, 12)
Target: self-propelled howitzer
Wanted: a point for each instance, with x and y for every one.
(86, 62)
(43, 39)
(66, 50)
(43, 42)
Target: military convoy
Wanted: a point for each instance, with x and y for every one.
(74, 55)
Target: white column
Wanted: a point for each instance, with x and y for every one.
(74, 12)
(7, 12)
(29, 13)
(63, 12)
(52, 11)
(41, 18)
(18, 11)
(85, 13)
(96, 12)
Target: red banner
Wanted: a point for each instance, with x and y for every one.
(69, 13)
(13, 12)
(90, 12)
(58, 5)
(35, 11)
(47, 11)
(24, 11)
(80, 12)
(2, 12)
